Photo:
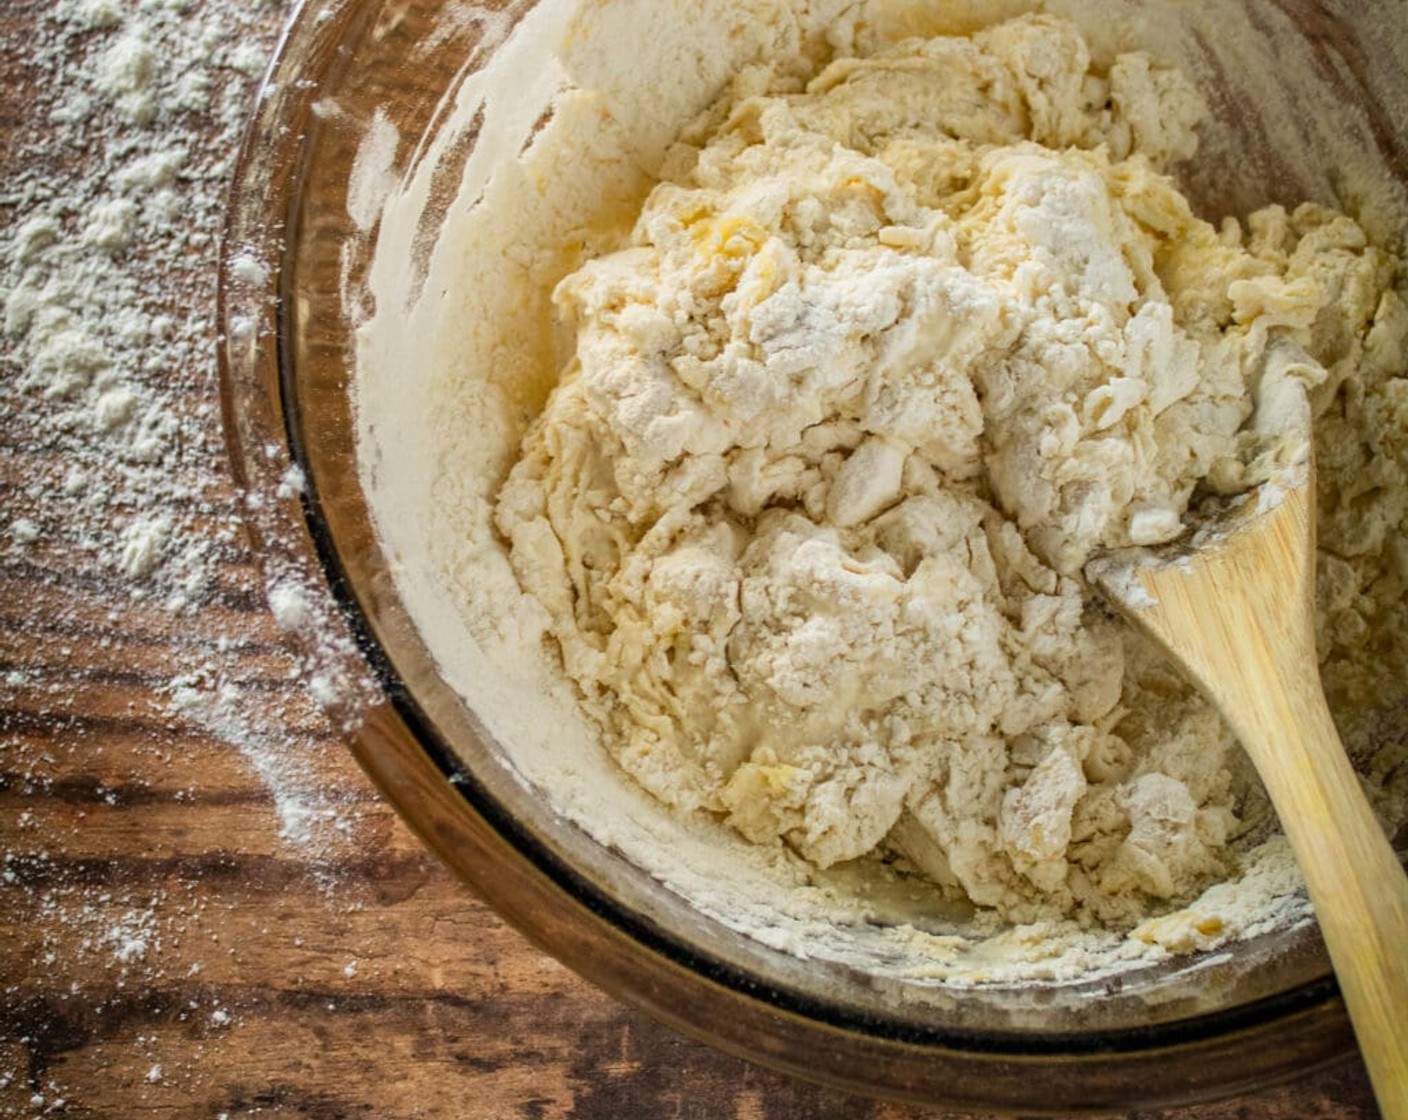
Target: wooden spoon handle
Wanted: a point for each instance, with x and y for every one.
(1356, 885)
(1258, 665)
(1241, 621)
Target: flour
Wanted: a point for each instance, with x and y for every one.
(107, 264)
(124, 513)
(86, 340)
(671, 473)
(888, 359)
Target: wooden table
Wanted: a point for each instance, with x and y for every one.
(177, 941)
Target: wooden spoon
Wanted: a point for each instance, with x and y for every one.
(1237, 611)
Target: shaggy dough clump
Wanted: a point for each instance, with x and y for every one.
(891, 353)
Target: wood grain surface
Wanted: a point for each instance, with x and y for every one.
(174, 944)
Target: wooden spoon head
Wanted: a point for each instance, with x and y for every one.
(1243, 543)
(1234, 606)
(1263, 535)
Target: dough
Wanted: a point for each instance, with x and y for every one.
(890, 354)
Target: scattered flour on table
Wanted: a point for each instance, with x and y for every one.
(107, 271)
(109, 226)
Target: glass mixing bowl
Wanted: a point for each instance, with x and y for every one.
(292, 285)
